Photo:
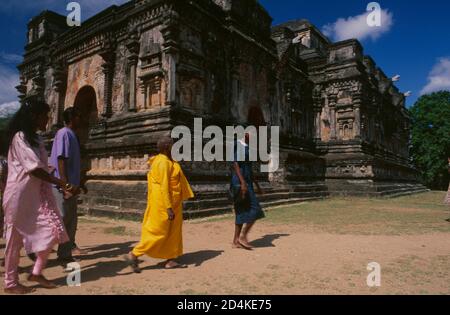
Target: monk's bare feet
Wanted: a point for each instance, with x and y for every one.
(19, 290)
(244, 242)
(133, 262)
(170, 264)
(42, 281)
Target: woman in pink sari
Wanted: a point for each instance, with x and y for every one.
(32, 219)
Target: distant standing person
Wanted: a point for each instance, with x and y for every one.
(246, 204)
(32, 219)
(447, 198)
(162, 235)
(66, 161)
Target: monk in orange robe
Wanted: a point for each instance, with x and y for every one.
(162, 225)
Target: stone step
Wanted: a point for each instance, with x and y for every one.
(206, 201)
(384, 194)
(229, 209)
(271, 204)
(190, 215)
(310, 188)
(367, 193)
(390, 187)
(401, 189)
(113, 212)
(205, 204)
(197, 205)
(130, 214)
(406, 193)
(292, 195)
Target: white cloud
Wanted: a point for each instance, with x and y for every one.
(357, 27)
(10, 58)
(8, 109)
(439, 77)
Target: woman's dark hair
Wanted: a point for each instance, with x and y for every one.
(25, 120)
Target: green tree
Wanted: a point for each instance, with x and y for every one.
(431, 138)
(4, 123)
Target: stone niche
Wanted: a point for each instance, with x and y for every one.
(250, 90)
(192, 93)
(150, 73)
(346, 126)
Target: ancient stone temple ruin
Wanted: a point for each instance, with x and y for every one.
(140, 69)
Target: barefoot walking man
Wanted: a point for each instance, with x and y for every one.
(246, 204)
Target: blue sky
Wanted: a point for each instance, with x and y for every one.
(413, 41)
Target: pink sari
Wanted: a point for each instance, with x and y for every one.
(28, 203)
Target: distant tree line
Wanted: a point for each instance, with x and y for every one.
(3, 123)
(430, 138)
(3, 126)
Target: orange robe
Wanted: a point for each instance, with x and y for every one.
(167, 188)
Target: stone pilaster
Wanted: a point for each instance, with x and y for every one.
(317, 112)
(332, 100)
(22, 88)
(59, 85)
(133, 57)
(170, 32)
(108, 71)
(357, 111)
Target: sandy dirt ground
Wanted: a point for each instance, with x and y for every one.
(295, 253)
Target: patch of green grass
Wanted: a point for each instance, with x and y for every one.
(418, 214)
(420, 273)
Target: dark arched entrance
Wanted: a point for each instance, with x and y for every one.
(86, 103)
(255, 116)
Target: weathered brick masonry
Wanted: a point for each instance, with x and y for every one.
(139, 69)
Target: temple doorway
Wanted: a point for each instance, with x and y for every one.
(86, 103)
